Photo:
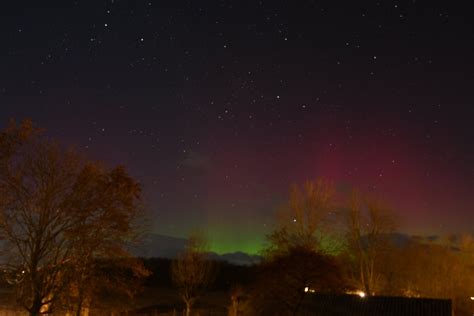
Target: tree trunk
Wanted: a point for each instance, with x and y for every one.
(79, 302)
(79, 308)
(298, 303)
(188, 308)
(35, 309)
(35, 313)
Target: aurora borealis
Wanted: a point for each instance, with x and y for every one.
(217, 107)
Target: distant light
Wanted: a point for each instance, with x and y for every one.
(361, 294)
(472, 298)
(306, 289)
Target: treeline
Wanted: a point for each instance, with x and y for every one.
(347, 243)
(227, 275)
(66, 225)
(328, 243)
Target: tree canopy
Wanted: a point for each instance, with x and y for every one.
(59, 213)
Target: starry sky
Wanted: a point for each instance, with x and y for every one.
(216, 107)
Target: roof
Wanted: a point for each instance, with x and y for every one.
(339, 305)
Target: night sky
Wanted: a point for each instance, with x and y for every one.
(216, 107)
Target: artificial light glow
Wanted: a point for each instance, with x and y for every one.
(306, 289)
(472, 298)
(361, 294)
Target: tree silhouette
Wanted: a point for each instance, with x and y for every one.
(368, 227)
(303, 221)
(286, 278)
(192, 271)
(58, 212)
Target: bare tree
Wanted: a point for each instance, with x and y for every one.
(192, 271)
(57, 213)
(368, 225)
(108, 205)
(303, 222)
(36, 185)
